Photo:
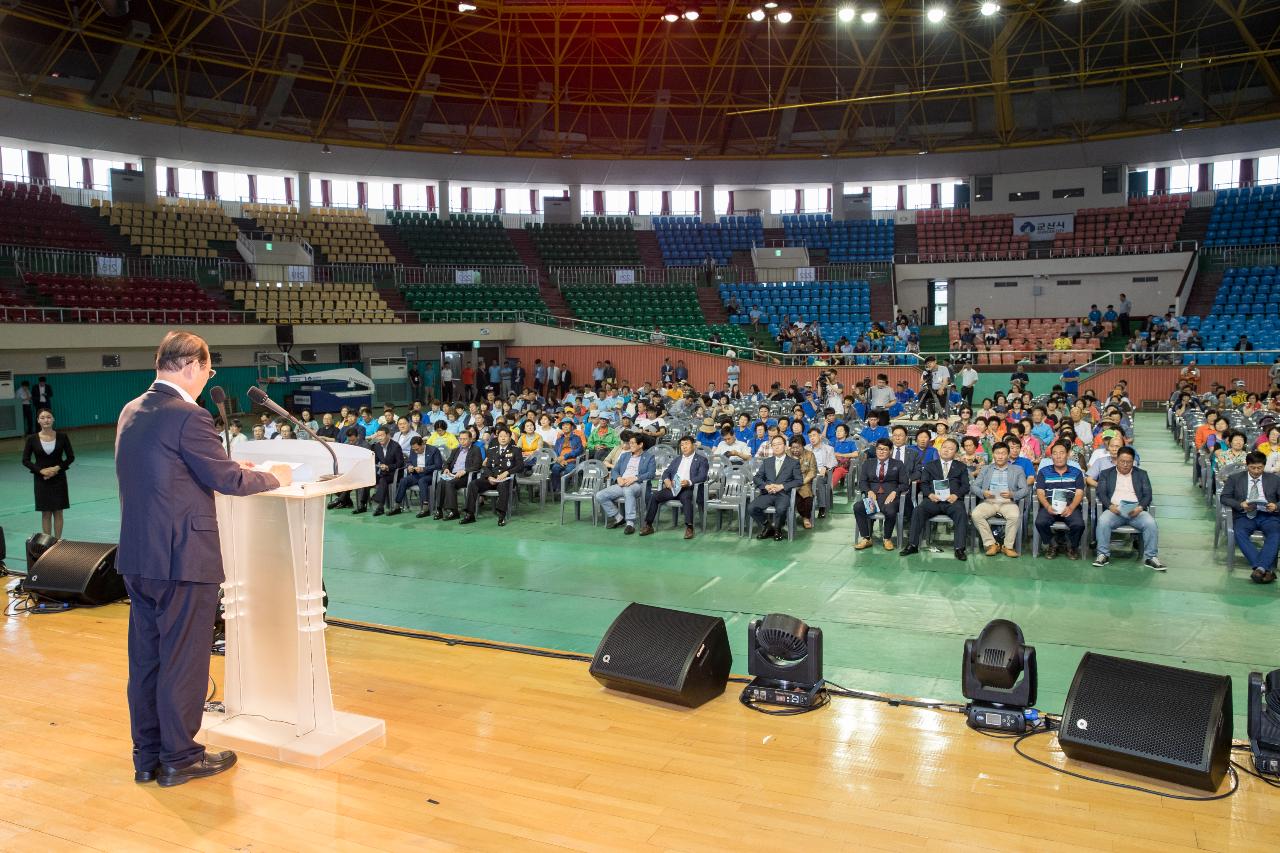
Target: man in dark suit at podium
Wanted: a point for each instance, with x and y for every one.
(169, 462)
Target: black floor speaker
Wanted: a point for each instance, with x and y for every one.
(669, 655)
(1158, 721)
(77, 573)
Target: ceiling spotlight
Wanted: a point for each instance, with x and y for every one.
(325, 149)
(672, 14)
(465, 6)
(756, 15)
(783, 16)
(771, 4)
(935, 14)
(846, 14)
(1074, 2)
(870, 16)
(989, 8)
(692, 11)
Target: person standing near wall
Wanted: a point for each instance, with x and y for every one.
(28, 408)
(48, 455)
(1125, 309)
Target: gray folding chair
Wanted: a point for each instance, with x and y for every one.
(791, 516)
(733, 495)
(580, 485)
(539, 477)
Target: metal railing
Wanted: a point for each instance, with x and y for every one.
(1029, 254)
(561, 276)
(70, 262)
(449, 274)
(151, 316)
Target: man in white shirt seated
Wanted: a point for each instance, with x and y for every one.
(680, 482)
(730, 447)
(404, 435)
(236, 436)
(627, 480)
(1001, 486)
(824, 455)
(421, 462)
(1126, 493)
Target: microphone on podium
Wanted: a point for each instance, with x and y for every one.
(259, 397)
(219, 398)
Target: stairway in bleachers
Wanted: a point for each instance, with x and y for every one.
(650, 251)
(882, 299)
(399, 249)
(1204, 291)
(904, 239)
(1195, 224)
(712, 306)
(529, 257)
(113, 238)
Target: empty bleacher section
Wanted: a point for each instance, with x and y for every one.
(1146, 224)
(598, 241)
(672, 308)
(311, 302)
(1246, 216)
(116, 300)
(846, 240)
(455, 303)
(1028, 334)
(843, 308)
(687, 241)
(36, 216)
(186, 228)
(942, 234)
(464, 239)
(341, 235)
(1248, 303)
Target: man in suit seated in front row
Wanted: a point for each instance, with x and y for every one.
(1253, 497)
(388, 459)
(1002, 486)
(944, 483)
(420, 465)
(357, 500)
(681, 481)
(498, 472)
(463, 464)
(884, 479)
(776, 478)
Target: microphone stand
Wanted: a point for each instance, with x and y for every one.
(260, 397)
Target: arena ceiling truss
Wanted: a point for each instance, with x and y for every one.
(613, 79)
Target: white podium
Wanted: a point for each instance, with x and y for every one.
(276, 692)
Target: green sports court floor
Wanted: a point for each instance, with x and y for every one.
(891, 624)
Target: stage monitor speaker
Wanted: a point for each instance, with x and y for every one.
(669, 655)
(1158, 721)
(284, 336)
(77, 573)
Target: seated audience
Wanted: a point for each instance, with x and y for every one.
(808, 476)
(1253, 497)
(629, 476)
(1002, 486)
(1060, 495)
(420, 466)
(388, 459)
(1125, 491)
(568, 450)
(881, 481)
(501, 464)
(944, 483)
(684, 476)
(462, 464)
(775, 479)
(731, 447)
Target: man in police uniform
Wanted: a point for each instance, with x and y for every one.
(498, 472)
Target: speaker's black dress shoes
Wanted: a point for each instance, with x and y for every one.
(209, 764)
(142, 777)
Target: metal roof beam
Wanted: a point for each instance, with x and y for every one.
(117, 68)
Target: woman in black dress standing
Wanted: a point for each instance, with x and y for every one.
(47, 456)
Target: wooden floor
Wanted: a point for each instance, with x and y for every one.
(489, 750)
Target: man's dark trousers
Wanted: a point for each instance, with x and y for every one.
(166, 693)
(686, 502)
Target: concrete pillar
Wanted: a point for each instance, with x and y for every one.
(304, 193)
(575, 202)
(708, 198)
(442, 199)
(150, 182)
(837, 200)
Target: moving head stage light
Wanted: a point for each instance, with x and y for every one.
(784, 658)
(990, 678)
(1264, 721)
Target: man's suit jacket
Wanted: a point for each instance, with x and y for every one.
(500, 460)
(169, 462)
(895, 479)
(788, 475)
(431, 458)
(391, 456)
(1141, 487)
(474, 460)
(958, 481)
(697, 469)
(648, 467)
(1236, 490)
